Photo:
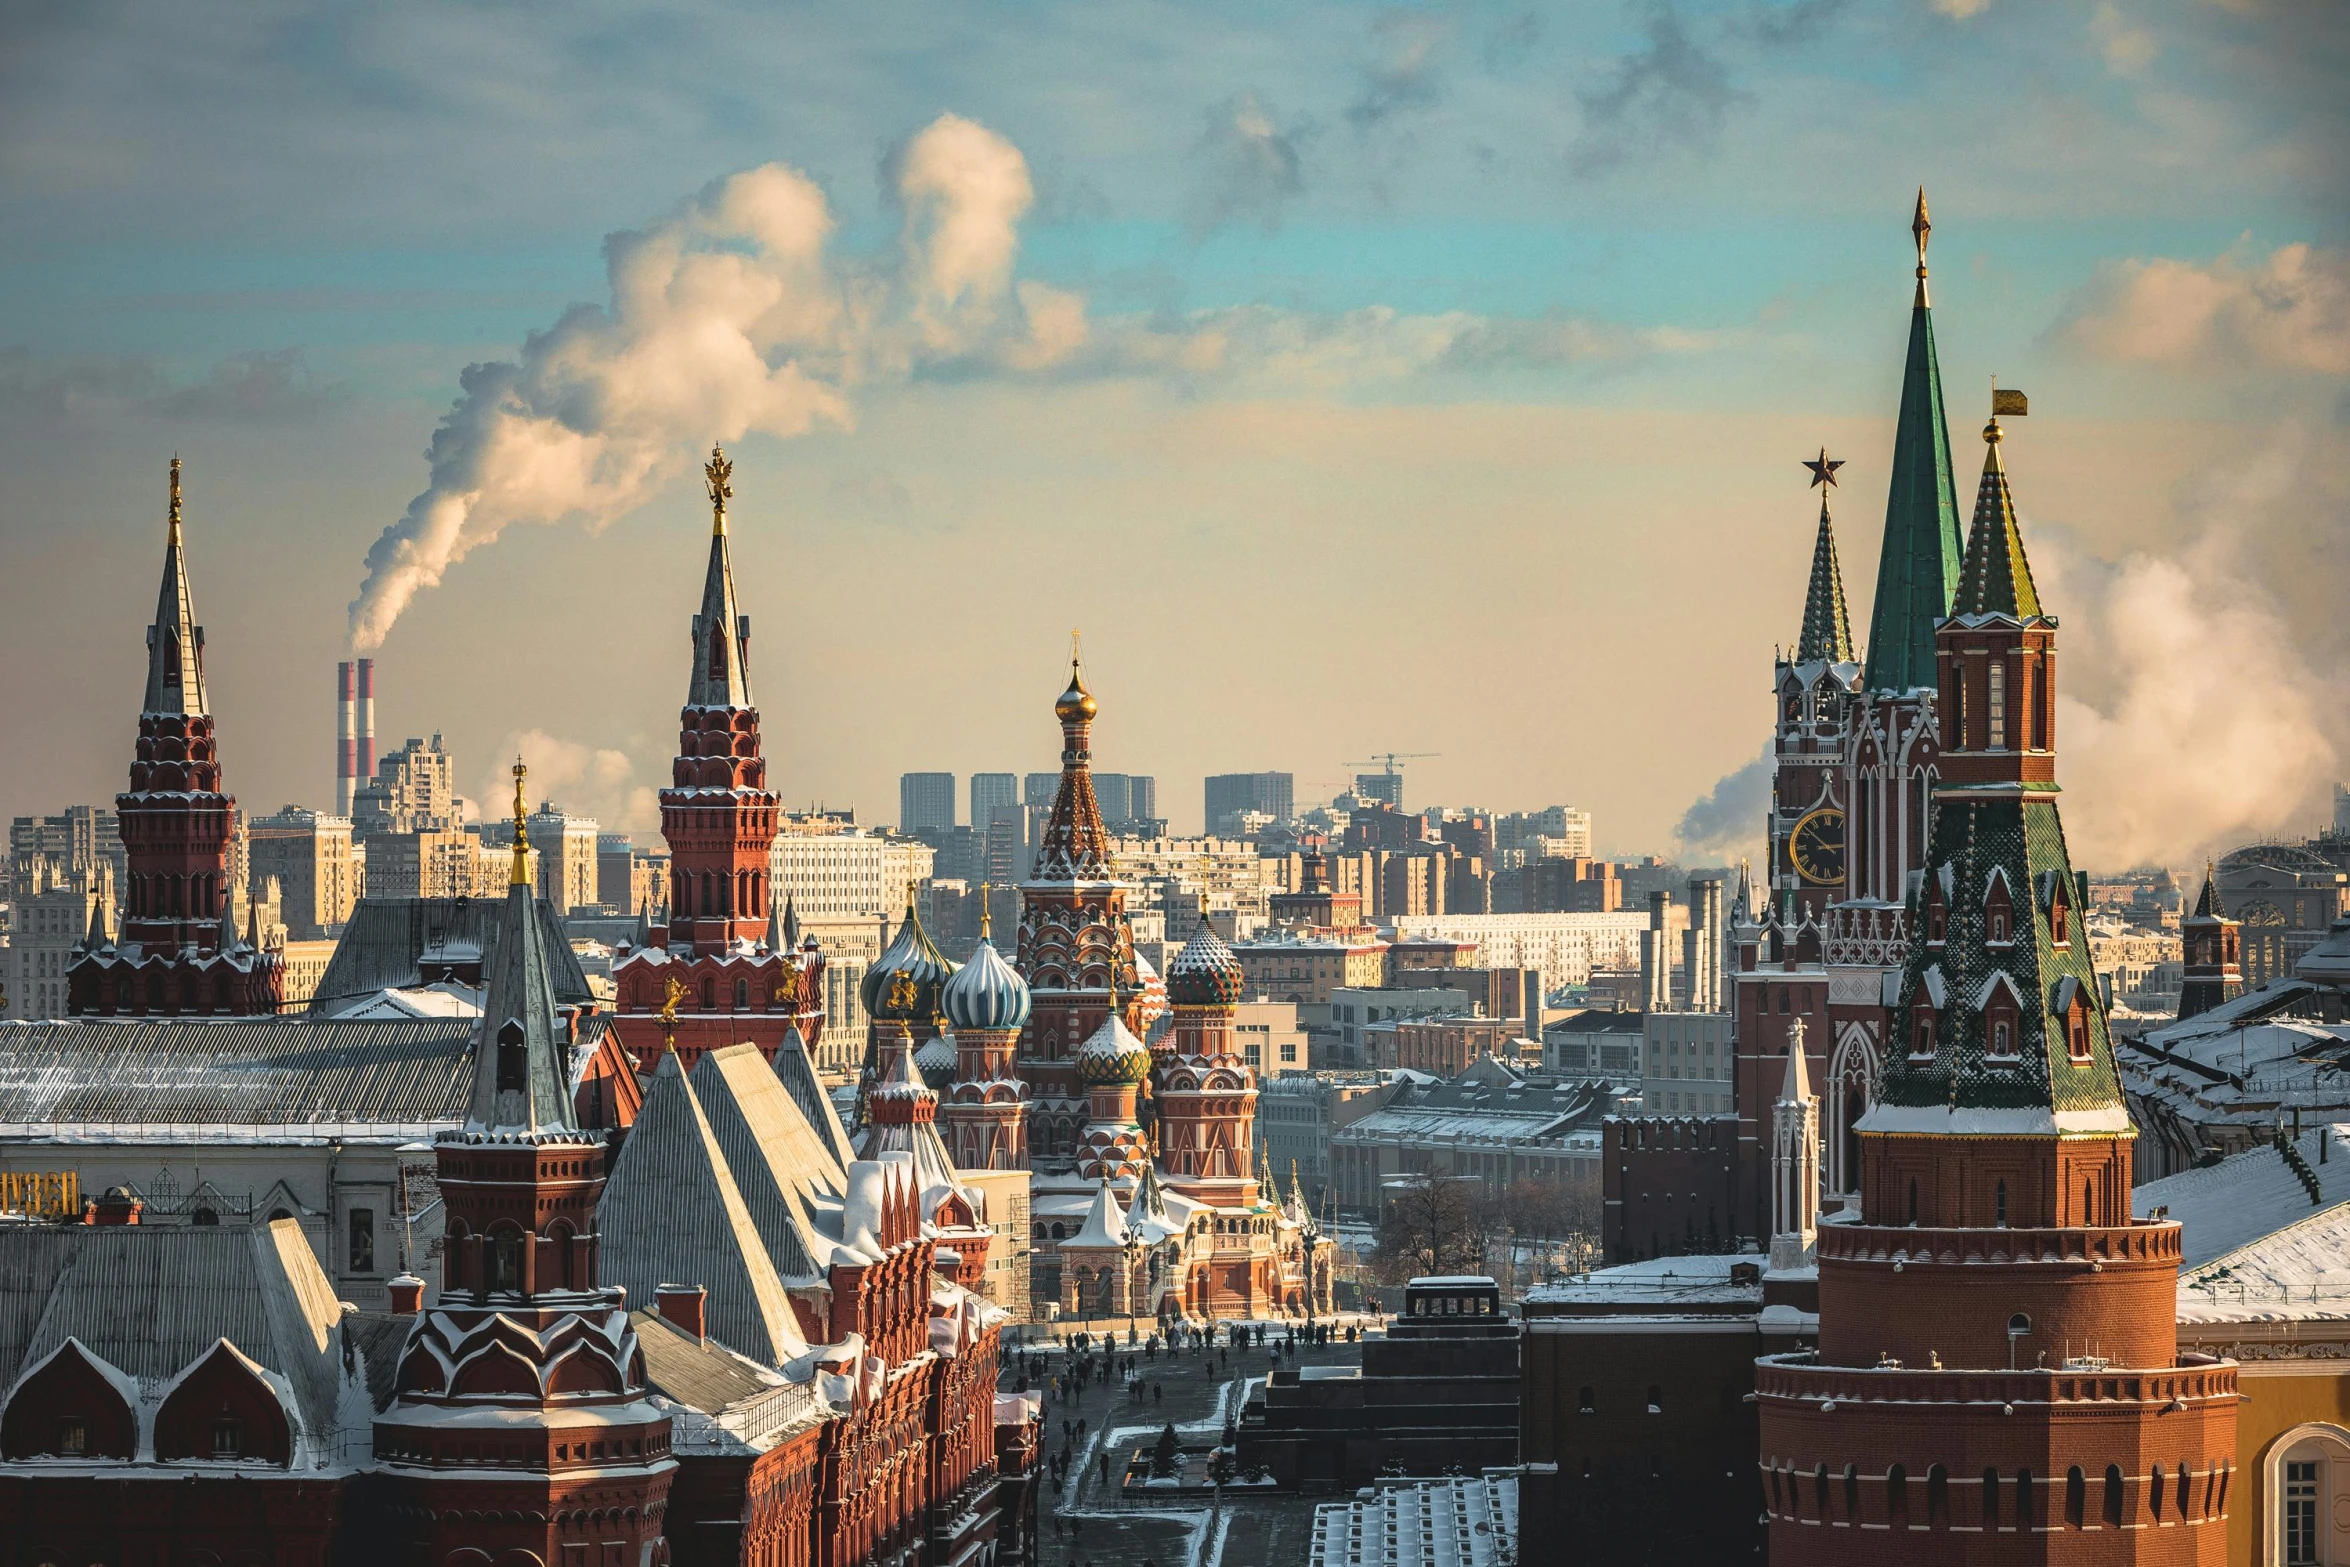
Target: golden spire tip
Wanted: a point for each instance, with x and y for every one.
(521, 872)
(175, 497)
(717, 478)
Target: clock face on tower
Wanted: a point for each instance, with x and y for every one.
(1817, 847)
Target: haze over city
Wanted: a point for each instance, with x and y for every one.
(1417, 379)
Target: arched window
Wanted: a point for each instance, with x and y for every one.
(1990, 1497)
(2154, 1497)
(1778, 1492)
(1852, 1493)
(1897, 1497)
(1819, 1492)
(1587, 1401)
(513, 1058)
(2027, 1505)
(742, 995)
(2076, 1497)
(2088, 1202)
(1937, 1497)
(2180, 1497)
(1913, 1200)
(709, 994)
(1656, 1399)
(2113, 1496)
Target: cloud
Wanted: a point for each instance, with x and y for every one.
(2128, 48)
(1246, 165)
(583, 780)
(2290, 310)
(256, 387)
(726, 318)
(1668, 94)
(1728, 822)
(2188, 718)
(1411, 48)
(1962, 10)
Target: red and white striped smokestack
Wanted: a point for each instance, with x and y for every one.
(367, 718)
(346, 738)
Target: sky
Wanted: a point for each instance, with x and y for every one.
(1358, 378)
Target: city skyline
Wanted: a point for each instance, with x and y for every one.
(1499, 329)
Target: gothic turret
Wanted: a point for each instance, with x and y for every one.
(2213, 946)
(177, 952)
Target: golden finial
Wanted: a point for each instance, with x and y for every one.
(175, 497)
(718, 477)
(672, 992)
(986, 933)
(1922, 227)
(521, 874)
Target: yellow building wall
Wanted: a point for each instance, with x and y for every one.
(2278, 1395)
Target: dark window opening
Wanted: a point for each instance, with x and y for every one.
(2113, 1496)
(2076, 1494)
(513, 1058)
(362, 1240)
(226, 1441)
(73, 1437)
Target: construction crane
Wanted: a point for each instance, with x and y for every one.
(1386, 760)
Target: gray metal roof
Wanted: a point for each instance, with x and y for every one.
(383, 946)
(700, 1373)
(232, 1073)
(153, 1301)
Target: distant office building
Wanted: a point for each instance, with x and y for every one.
(960, 853)
(414, 789)
(853, 875)
(42, 932)
(1558, 831)
(568, 877)
(926, 801)
(309, 857)
(1380, 788)
(1110, 797)
(990, 793)
(80, 848)
(1142, 799)
(1037, 789)
(615, 867)
(1230, 794)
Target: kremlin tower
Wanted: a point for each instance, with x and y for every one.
(1997, 1377)
(984, 1116)
(2214, 950)
(721, 968)
(523, 1343)
(1076, 952)
(178, 952)
(1205, 1092)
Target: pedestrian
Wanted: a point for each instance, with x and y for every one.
(1105, 1468)
(1158, 1394)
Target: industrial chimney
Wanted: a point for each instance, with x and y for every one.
(346, 737)
(366, 767)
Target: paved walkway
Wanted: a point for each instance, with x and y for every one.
(1100, 1528)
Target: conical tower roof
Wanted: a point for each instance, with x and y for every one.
(2208, 905)
(519, 1075)
(1996, 579)
(1827, 627)
(1074, 846)
(1917, 565)
(175, 643)
(1795, 1088)
(722, 659)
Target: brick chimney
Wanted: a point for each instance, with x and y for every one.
(684, 1306)
(407, 1295)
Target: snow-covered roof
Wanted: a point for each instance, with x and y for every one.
(1105, 1225)
(444, 999)
(2232, 1204)
(1974, 1121)
(1460, 1522)
(1661, 1284)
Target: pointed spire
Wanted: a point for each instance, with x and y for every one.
(1996, 579)
(252, 925)
(228, 924)
(175, 643)
(519, 1081)
(644, 925)
(1827, 628)
(2208, 906)
(1917, 565)
(1074, 845)
(722, 635)
(791, 922)
(775, 938)
(519, 874)
(1796, 1088)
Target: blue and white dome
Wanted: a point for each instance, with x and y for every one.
(985, 993)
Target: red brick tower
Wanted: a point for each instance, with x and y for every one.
(1205, 1091)
(523, 1423)
(2214, 949)
(1998, 1376)
(723, 971)
(984, 1116)
(1074, 947)
(178, 952)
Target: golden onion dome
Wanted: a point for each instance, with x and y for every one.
(1076, 702)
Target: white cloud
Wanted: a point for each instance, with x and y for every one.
(2128, 48)
(2289, 310)
(1961, 10)
(583, 780)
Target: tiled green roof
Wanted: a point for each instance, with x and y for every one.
(1827, 628)
(1996, 579)
(2024, 838)
(1918, 565)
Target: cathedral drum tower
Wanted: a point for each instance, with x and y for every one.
(1998, 1376)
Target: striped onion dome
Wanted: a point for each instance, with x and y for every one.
(986, 993)
(1113, 1055)
(914, 956)
(1205, 973)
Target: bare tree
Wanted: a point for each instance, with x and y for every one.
(1431, 1225)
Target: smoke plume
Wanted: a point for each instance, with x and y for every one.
(726, 318)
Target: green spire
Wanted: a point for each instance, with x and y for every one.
(1996, 578)
(1918, 565)
(1827, 628)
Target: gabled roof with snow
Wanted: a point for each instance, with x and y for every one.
(399, 943)
(2233, 1203)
